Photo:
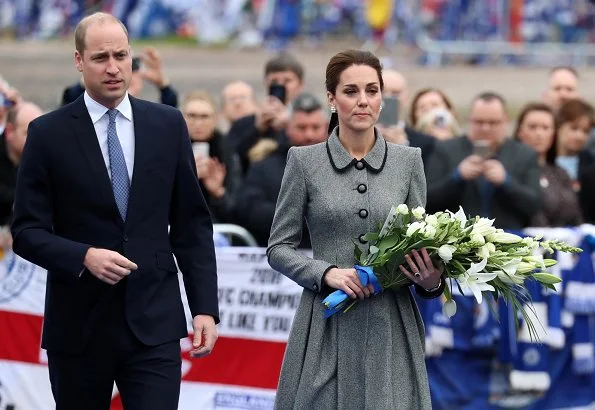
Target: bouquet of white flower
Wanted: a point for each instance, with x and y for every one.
(476, 256)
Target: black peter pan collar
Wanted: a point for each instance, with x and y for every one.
(341, 160)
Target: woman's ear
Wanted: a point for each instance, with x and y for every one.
(330, 98)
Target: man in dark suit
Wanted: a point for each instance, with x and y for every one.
(100, 182)
(485, 172)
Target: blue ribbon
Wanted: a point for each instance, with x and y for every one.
(339, 300)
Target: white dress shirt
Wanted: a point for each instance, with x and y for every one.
(124, 128)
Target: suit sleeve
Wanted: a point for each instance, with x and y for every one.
(191, 232)
(445, 190)
(286, 231)
(32, 227)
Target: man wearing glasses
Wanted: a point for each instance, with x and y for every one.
(486, 172)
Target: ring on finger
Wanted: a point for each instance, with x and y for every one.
(417, 274)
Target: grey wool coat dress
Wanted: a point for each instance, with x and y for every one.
(372, 356)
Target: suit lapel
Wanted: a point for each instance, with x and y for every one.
(142, 151)
(87, 139)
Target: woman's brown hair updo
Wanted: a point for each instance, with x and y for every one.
(339, 63)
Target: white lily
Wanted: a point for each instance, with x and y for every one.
(449, 308)
(486, 250)
(445, 252)
(429, 232)
(403, 209)
(432, 220)
(476, 281)
(484, 226)
(414, 227)
(536, 260)
(418, 213)
(477, 239)
(511, 266)
(503, 237)
(461, 217)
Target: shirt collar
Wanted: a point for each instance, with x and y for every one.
(96, 110)
(341, 160)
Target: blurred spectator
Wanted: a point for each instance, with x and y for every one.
(11, 149)
(574, 121)
(562, 86)
(395, 85)
(272, 115)
(425, 100)
(586, 197)
(148, 66)
(237, 101)
(218, 169)
(439, 123)
(257, 197)
(560, 207)
(485, 172)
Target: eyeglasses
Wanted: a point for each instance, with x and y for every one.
(195, 117)
(488, 123)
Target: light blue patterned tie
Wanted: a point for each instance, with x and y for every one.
(117, 164)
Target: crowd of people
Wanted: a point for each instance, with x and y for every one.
(539, 175)
(275, 23)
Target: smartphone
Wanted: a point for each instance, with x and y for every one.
(389, 115)
(200, 149)
(136, 63)
(481, 148)
(278, 91)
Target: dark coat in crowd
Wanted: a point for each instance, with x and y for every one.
(8, 181)
(257, 197)
(421, 140)
(513, 204)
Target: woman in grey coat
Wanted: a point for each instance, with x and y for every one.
(370, 357)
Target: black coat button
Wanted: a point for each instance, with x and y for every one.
(359, 165)
(125, 238)
(315, 287)
(361, 238)
(363, 213)
(361, 188)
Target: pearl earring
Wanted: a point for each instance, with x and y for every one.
(333, 108)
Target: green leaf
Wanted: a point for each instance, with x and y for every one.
(388, 242)
(371, 236)
(546, 278)
(357, 252)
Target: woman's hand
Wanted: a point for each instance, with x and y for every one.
(422, 270)
(348, 281)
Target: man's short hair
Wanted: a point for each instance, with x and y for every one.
(305, 102)
(489, 96)
(81, 28)
(284, 62)
(568, 68)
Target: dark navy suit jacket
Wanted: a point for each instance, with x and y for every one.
(65, 204)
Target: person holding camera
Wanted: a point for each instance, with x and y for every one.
(485, 172)
(284, 80)
(146, 67)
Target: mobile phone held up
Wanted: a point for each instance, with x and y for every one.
(278, 91)
(136, 64)
(482, 149)
(389, 115)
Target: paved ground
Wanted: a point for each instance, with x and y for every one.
(41, 70)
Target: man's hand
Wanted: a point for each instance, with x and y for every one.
(494, 172)
(271, 114)
(108, 266)
(205, 335)
(153, 67)
(471, 167)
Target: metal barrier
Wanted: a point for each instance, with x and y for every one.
(231, 231)
(505, 28)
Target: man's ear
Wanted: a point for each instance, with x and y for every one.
(78, 61)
